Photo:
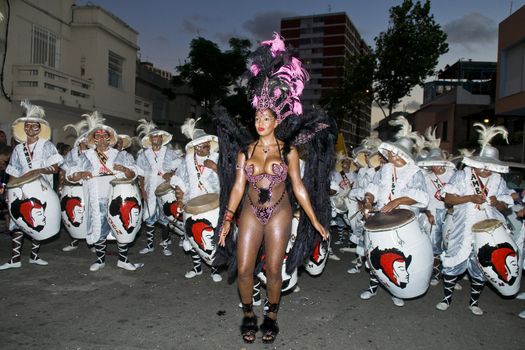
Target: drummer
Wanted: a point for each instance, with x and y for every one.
(476, 193)
(199, 178)
(341, 181)
(71, 159)
(156, 163)
(368, 160)
(102, 160)
(398, 184)
(438, 171)
(34, 154)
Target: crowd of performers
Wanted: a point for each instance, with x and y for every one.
(260, 206)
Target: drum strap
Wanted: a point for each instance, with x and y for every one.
(103, 159)
(439, 186)
(479, 187)
(28, 153)
(393, 188)
(200, 171)
(345, 183)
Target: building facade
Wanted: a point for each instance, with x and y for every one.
(70, 60)
(510, 92)
(323, 42)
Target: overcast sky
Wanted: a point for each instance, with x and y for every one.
(166, 27)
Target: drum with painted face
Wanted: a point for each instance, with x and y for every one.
(125, 210)
(34, 206)
(318, 258)
(498, 255)
(399, 253)
(201, 215)
(167, 200)
(73, 208)
(289, 280)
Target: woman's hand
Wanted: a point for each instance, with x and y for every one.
(476, 199)
(322, 231)
(225, 230)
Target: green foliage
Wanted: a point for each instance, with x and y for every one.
(408, 52)
(212, 74)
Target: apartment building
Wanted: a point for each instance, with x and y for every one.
(323, 41)
(71, 60)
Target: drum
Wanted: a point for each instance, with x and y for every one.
(34, 206)
(73, 208)
(289, 280)
(124, 210)
(374, 160)
(338, 203)
(498, 255)
(318, 258)
(398, 253)
(201, 215)
(168, 203)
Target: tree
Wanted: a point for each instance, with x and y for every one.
(354, 88)
(407, 52)
(212, 74)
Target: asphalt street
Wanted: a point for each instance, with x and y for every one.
(64, 306)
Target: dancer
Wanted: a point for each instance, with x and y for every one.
(96, 168)
(156, 163)
(34, 154)
(200, 178)
(438, 171)
(476, 193)
(265, 166)
(398, 184)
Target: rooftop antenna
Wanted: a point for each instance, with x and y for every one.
(329, 8)
(511, 3)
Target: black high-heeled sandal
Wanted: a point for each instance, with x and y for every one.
(249, 324)
(269, 327)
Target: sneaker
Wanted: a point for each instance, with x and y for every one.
(355, 261)
(126, 265)
(442, 306)
(166, 251)
(458, 286)
(96, 267)
(146, 250)
(254, 302)
(434, 282)
(181, 243)
(522, 314)
(192, 273)
(398, 302)
(216, 277)
(331, 255)
(476, 310)
(10, 265)
(69, 248)
(521, 296)
(347, 250)
(38, 261)
(297, 289)
(354, 270)
(367, 295)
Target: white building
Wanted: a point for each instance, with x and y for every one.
(70, 60)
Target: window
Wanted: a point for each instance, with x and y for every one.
(513, 70)
(45, 47)
(115, 63)
(444, 131)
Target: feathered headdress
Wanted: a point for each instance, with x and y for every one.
(403, 146)
(435, 156)
(148, 128)
(372, 142)
(197, 136)
(80, 129)
(95, 121)
(488, 157)
(35, 114)
(276, 79)
(432, 141)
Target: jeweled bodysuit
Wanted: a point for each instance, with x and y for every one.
(264, 208)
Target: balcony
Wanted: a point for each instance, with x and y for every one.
(38, 82)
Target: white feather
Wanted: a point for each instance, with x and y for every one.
(486, 134)
(145, 127)
(406, 128)
(94, 119)
(432, 141)
(188, 128)
(465, 152)
(32, 110)
(79, 127)
(419, 142)
(372, 142)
